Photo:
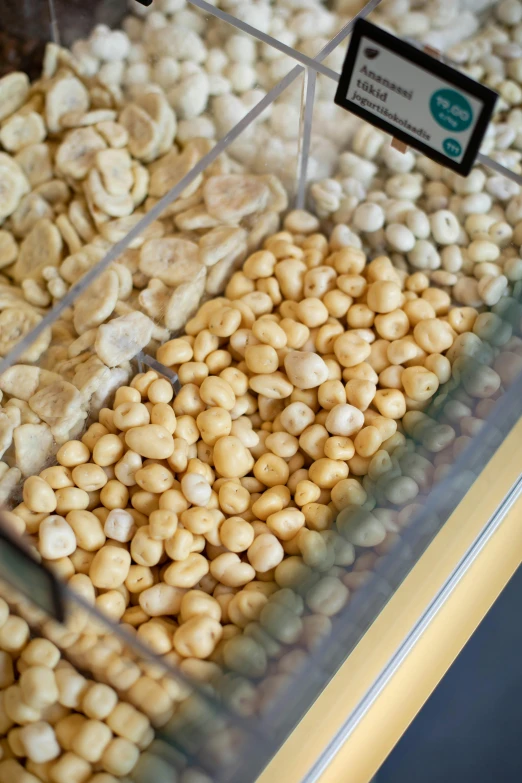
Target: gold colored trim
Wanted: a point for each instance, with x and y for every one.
(405, 692)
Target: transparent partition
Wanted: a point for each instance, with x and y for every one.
(118, 180)
(81, 696)
(252, 357)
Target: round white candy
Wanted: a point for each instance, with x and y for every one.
(445, 227)
(399, 237)
(368, 217)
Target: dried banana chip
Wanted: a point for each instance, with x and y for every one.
(65, 95)
(53, 355)
(170, 169)
(114, 134)
(124, 308)
(202, 147)
(124, 281)
(260, 227)
(55, 192)
(185, 301)
(122, 338)
(101, 98)
(22, 130)
(114, 206)
(77, 153)
(63, 332)
(89, 375)
(26, 414)
(69, 234)
(140, 183)
(67, 367)
(219, 274)
(97, 303)
(80, 119)
(98, 217)
(8, 248)
(76, 265)
(41, 247)
(195, 219)
(115, 169)
(14, 89)
(158, 108)
(229, 198)
(81, 220)
(11, 296)
(47, 378)
(50, 60)
(33, 448)
(171, 260)
(10, 418)
(179, 205)
(31, 209)
(9, 483)
(69, 428)
(130, 259)
(13, 185)
(57, 401)
(155, 298)
(101, 243)
(144, 134)
(14, 415)
(115, 94)
(220, 242)
(104, 394)
(278, 199)
(15, 324)
(83, 343)
(35, 293)
(115, 230)
(20, 380)
(35, 161)
(222, 165)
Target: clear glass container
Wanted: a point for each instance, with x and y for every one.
(120, 242)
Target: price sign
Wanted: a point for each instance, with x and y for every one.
(416, 98)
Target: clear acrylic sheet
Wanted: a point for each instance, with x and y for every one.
(232, 736)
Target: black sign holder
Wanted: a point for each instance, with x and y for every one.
(422, 60)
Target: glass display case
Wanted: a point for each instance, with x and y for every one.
(306, 342)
